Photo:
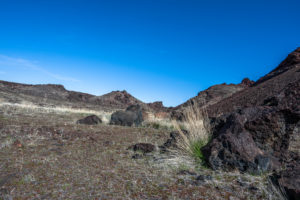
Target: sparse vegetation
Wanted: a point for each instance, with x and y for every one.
(59, 160)
(158, 125)
(198, 131)
(195, 147)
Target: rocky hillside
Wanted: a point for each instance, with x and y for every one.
(211, 96)
(255, 125)
(288, 72)
(57, 95)
(225, 98)
(257, 129)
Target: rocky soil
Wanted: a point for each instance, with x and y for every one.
(46, 155)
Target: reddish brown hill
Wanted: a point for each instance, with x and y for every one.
(212, 95)
(289, 63)
(57, 95)
(120, 99)
(269, 85)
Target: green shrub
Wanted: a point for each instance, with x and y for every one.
(195, 148)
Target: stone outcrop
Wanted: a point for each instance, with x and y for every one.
(131, 116)
(211, 96)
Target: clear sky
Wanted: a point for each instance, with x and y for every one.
(165, 50)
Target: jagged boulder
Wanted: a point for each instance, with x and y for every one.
(90, 120)
(257, 138)
(131, 116)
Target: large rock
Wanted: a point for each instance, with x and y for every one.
(259, 137)
(90, 120)
(131, 116)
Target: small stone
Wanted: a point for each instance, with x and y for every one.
(143, 147)
(137, 156)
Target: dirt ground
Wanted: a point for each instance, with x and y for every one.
(46, 155)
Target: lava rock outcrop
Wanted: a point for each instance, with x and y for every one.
(131, 116)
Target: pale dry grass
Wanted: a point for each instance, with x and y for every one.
(29, 107)
(154, 121)
(197, 124)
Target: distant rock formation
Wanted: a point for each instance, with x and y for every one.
(57, 95)
(211, 96)
(247, 82)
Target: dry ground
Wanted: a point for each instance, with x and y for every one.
(45, 155)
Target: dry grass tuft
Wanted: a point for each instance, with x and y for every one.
(197, 124)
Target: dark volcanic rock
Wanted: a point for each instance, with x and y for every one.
(261, 138)
(157, 106)
(247, 82)
(137, 156)
(288, 180)
(257, 129)
(132, 116)
(172, 141)
(253, 139)
(232, 145)
(134, 108)
(143, 147)
(90, 120)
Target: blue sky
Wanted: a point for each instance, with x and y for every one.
(165, 50)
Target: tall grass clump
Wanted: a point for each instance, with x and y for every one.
(196, 124)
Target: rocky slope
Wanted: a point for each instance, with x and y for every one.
(211, 96)
(57, 95)
(270, 85)
(257, 129)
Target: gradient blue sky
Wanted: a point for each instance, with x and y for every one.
(165, 50)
